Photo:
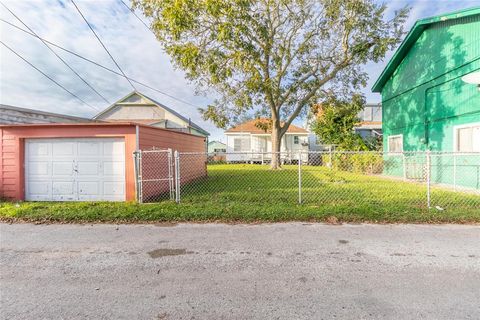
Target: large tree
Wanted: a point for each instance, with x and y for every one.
(272, 57)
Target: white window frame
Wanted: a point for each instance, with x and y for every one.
(455, 134)
(296, 138)
(368, 114)
(240, 140)
(391, 137)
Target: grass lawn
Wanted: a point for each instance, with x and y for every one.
(253, 193)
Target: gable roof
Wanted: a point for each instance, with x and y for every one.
(250, 127)
(191, 123)
(412, 37)
(218, 142)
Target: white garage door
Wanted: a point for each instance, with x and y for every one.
(75, 169)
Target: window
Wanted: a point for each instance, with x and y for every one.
(367, 114)
(468, 138)
(237, 144)
(395, 143)
(377, 113)
(296, 140)
(219, 150)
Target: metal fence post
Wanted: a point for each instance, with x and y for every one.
(454, 171)
(135, 170)
(300, 177)
(137, 156)
(170, 174)
(404, 166)
(428, 178)
(177, 177)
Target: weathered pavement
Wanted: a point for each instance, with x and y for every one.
(216, 271)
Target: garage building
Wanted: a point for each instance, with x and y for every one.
(81, 161)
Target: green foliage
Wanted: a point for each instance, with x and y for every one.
(336, 120)
(364, 163)
(274, 57)
(374, 143)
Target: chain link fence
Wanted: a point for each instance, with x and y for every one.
(355, 181)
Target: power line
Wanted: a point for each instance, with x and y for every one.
(100, 65)
(133, 12)
(47, 76)
(60, 58)
(111, 57)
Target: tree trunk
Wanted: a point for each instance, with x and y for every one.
(276, 144)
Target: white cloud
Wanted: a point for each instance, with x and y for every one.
(133, 46)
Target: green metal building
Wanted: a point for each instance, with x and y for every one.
(426, 103)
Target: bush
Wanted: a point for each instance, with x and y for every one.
(366, 163)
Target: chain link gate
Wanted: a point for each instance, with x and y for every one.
(154, 170)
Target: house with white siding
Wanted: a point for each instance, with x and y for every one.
(249, 142)
(139, 108)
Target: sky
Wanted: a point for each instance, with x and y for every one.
(134, 48)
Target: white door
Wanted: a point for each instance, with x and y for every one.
(78, 169)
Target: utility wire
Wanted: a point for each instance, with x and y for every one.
(104, 47)
(133, 12)
(47, 76)
(101, 66)
(53, 51)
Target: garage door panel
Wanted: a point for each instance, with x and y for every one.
(38, 168)
(39, 149)
(113, 168)
(39, 188)
(113, 188)
(60, 148)
(112, 148)
(62, 168)
(85, 168)
(63, 188)
(89, 188)
(88, 148)
(75, 169)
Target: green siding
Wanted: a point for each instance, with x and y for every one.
(425, 97)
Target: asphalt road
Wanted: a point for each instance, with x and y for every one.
(216, 271)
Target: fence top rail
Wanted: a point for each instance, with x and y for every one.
(153, 150)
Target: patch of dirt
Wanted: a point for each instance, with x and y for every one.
(166, 224)
(333, 220)
(399, 254)
(158, 253)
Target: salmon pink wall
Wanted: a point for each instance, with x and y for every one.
(150, 138)
(12, 151)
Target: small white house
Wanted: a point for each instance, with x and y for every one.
(247, 142)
